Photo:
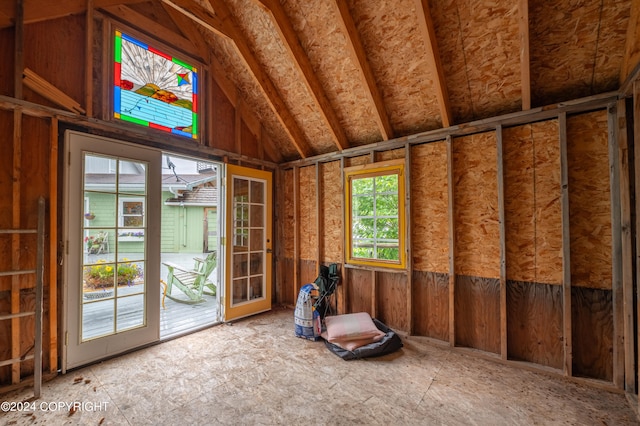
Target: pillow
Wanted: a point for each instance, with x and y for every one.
(349, 327)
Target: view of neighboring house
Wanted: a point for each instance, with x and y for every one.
(189, 207)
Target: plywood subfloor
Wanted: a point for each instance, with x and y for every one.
(257, 372)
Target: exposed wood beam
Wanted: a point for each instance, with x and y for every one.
(590, 103)
(632, 44)
(433, 54)
(160, 31)
(209, 20)
(525, 71)
(139, 133)
(46, 10)
(264, 82)
(222, 23)
(302, 62)
(359, 59)
(190, 31)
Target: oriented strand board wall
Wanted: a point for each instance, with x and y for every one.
(287, 214)
(533, 219)
(477, 234)
(332, 212)
(308, 213)
(429, 208)
(589, 200)
(533, 228)
(390, 155)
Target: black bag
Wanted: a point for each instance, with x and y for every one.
(326, 282)
(391, 342)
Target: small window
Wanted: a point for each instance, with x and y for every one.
(131, 219)
(375, 218)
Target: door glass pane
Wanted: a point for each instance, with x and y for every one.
(255, 290)
(239, 290)
(257, 192)
(249, 213)
(129, 313)
(257, 216)
(98, 318)
(256, 239)
(113, 290)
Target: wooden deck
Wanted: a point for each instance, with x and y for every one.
(175, 318)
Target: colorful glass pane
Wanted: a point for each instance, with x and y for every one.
(154, 89)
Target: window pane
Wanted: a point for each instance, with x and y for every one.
(362, 186)
(388, 253)
(363, 228)
(387, 205)
(387, 183)
(387, 228)
(362, 206)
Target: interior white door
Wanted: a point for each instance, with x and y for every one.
(112, 261)
(248, 243)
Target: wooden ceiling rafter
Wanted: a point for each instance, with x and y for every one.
(195, 12)
(359, 59)
(425, 23)
(222, 23)
(300, 58)
(190, 31)
(525, 61)
(276, 102)
(142, 22)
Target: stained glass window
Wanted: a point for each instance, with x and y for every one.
(154, 89)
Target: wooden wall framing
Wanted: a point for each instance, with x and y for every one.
(513, 247)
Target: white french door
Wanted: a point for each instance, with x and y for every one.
(248, 243)
(112, 193)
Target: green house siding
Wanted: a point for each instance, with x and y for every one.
(182, 228)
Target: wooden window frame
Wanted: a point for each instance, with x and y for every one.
(394, 167)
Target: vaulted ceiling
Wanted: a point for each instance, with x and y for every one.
(325, 75)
